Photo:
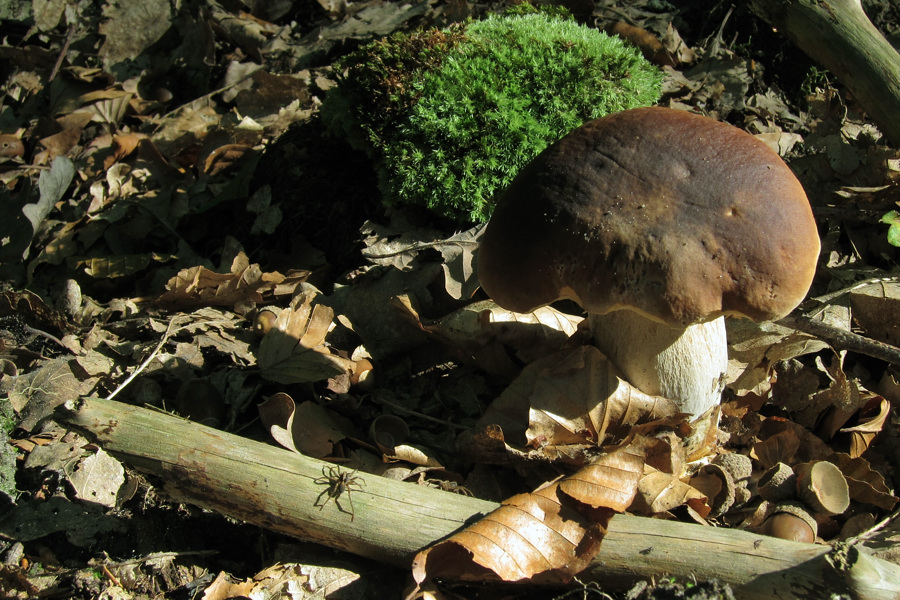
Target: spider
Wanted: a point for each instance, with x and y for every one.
(338, 482)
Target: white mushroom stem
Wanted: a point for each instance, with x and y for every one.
(684, 365)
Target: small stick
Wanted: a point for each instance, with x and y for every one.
(50, 337)
(169, 331)
(843, 339)
(62, 53)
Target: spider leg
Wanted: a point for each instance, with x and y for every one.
(319, 499)
(352, 510)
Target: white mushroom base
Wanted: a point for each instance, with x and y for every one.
(684, 365)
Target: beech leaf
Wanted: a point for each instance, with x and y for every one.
(871, 421)
(659, 492)
(866, 484)
(609, 481)
(549, 535)
(309, 429)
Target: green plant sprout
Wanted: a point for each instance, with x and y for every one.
(892, 218)
(450, 116)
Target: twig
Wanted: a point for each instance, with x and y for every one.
(843, 339)
(873, 529)
(408, 411)
(49, 336)
(830, 297)
(62, 53)
(165, 338)
(170, 331)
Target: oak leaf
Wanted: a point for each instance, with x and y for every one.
(198, 286)
(294, 350)
(573, 397)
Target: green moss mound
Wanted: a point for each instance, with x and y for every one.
(450, 116)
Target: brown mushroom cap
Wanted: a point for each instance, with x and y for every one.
(674, 215)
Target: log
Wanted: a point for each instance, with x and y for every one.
(276, 489)
(838, 35)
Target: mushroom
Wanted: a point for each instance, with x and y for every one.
(659, 223)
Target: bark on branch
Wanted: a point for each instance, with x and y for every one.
(275, 489)
(839, 35)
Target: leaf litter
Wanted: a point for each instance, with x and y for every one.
(136, 209)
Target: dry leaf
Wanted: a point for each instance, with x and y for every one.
(842, 393)
(122, 265)
(110, 107)
(866, 484)
(809, 447)
(677, 46)
(123, 145)
(222, 588)
(399, 246)
(198, 286)
(876, 309)
(546, 536)
(659, 492)
(98, 479)
(303, 582)
(573, 397)
(871, 421)
(225, 157)
(413, 454)
(753, 349)
(367, 307)
(609, 481)
(36, 394)
(309, 429)
(530, 537)
(460, 279)
(779, 448)
(483, 329)
(717, 485)
(293, 351)
(60, 143)
(584, 395)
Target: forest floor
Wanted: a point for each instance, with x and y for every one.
(162, 165)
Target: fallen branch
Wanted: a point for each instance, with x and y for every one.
(838, 35)
(276, 489)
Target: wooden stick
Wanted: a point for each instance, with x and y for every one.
(276, 489)
(838, 35)
(841, 339)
